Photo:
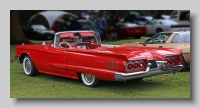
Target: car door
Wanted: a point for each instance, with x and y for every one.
(151, 29)
(55, 60)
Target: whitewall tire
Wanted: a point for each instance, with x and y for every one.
(29, 67)
(89, 80)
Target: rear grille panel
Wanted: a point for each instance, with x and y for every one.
(153, 64)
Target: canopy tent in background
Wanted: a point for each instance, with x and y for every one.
(47, 18)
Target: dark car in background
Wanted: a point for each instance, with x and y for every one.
(38, 32)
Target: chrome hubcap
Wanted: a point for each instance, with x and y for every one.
(28, 66)
(89, 78)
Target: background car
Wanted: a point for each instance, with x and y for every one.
(142, 20)
(128, 30)
(38, 32)
(162, 25)
(180, 40)
(181, 16)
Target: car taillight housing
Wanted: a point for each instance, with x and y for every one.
(136, 65)
(172, 61)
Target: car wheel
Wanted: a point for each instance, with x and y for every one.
(159, 30)
(184, 64)
(89, 80)
(29, 67)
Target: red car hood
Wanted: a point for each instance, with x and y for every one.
(132, 52)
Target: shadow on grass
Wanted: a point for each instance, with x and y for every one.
(136, 84)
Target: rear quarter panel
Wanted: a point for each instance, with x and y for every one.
(95, 63)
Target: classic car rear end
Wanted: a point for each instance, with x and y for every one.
(91, 63)
(170, 39)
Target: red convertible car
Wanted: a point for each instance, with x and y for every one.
(79, 55)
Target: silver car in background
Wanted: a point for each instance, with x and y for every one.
(164, 25)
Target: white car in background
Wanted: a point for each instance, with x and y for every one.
(181, 16)
(164, 25)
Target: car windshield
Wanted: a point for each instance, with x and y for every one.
(79, 37)
(181, 37)
(169, 22)
(158, 38)
(38, 27)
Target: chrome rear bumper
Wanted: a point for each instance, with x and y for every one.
(120, 76)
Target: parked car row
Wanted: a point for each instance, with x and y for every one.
(127, 29)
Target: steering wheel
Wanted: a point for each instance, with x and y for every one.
(67, 44)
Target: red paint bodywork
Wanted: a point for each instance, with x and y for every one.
(68, 62)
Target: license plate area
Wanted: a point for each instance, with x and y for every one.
(153, 64)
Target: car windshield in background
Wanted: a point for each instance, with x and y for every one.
(181, 37)
(169, 22)
(38, 27)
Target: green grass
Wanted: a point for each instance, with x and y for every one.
(48, 86)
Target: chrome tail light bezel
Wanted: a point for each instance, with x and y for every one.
(136, 65)
(172, 61)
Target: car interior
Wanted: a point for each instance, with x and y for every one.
(77, 40)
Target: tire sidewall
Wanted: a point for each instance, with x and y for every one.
(184, 64)
(33, 70)
(89, 84)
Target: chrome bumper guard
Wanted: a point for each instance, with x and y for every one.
(120, 76)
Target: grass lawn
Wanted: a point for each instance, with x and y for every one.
(48, 86)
